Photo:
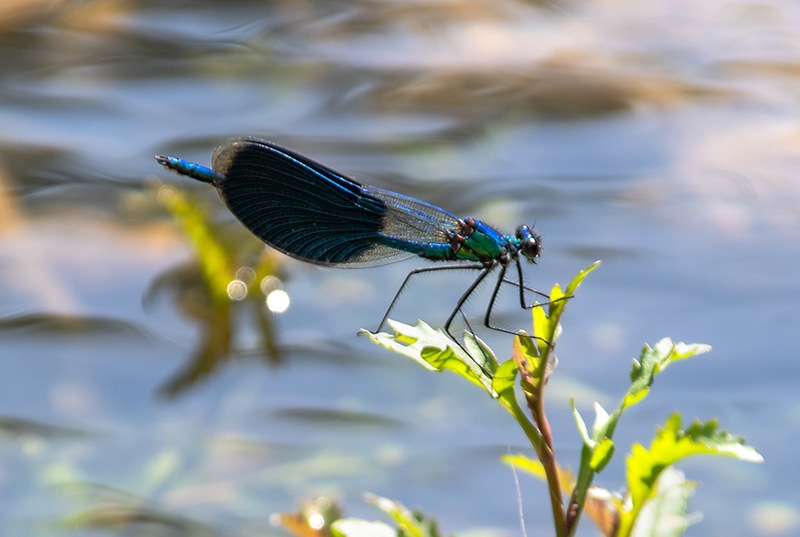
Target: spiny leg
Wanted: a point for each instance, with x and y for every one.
(487, 321)
(414, 272)
(459, 309)
(465, 296)
(486, 358)
(523, 288)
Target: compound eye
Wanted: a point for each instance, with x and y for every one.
(530, 243)
(531, 248)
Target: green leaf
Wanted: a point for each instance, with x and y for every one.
(634, 398)
(600, 447)
(665, 515)
(578, 279)
(355, 527)
(653, 361)
(547, 326)
(504, 378)
(565, 476)
(435, 351)
(582, 429)
(603, 446)
(479, 353)
(558, 298)
(526, 354)
(671, 443)
(526, 464)
(409, 524)
(601, 455)
(601, 419)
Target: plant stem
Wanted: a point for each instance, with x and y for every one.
(546, 455)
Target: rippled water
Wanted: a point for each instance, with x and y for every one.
(661, 137)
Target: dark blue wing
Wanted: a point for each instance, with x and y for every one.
(315, 214)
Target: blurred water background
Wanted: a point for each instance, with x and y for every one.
(662, 137)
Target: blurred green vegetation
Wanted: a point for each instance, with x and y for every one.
(224, 287)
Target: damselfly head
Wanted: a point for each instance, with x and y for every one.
(530, 243)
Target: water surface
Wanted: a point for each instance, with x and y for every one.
(661, 138)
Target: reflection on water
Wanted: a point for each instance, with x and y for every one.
(207, 295)
(660, 136)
